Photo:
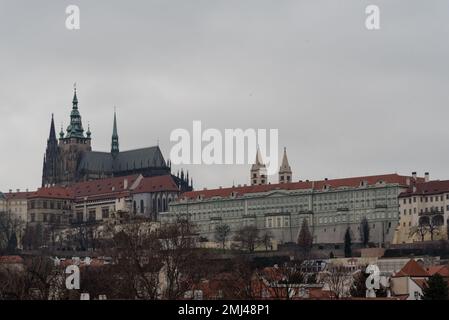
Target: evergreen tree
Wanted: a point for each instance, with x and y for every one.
(436, 289)
(12, 244)
(305, 239)
(348, 243)
(364, 232)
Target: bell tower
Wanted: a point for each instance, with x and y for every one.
(258, 171)
(285, 171)
(73, 144)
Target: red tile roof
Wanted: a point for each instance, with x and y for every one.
(316, 185)
(422, 283)
(17, 195)
(428, 188)
(52, 193)
(103, 186)
(441, 270)
(412, 269)
(155, 184)
(11, 259)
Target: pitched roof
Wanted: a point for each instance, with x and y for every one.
(441, 270)
(17, 195)
(52, 193)
(427, 188)
(412, 269)
(104, 187)
(95, 161)
(315, 185)
(10, 259)
(155, 184)
(422, 283)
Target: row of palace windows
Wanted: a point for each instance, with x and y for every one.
(427, 210)
(48, 204)
(426, 199)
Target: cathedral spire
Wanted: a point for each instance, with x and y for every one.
(75, 98)
(75, 129)
(114, 144)
(258, 170)
(285, 171)
(52, 135)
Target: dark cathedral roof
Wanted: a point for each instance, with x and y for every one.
(94, 161)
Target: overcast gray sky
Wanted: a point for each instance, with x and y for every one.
(347, 101)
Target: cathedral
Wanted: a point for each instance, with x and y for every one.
(70, 158)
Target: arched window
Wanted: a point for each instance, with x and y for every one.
(134, 207)
(141, 206)
(159, 205)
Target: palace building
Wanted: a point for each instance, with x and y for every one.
(70, 158)
(330, 206)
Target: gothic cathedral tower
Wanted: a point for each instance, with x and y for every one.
(61, 160)
(258, 171)
(285, 172)
(73, 145)
(51, 158)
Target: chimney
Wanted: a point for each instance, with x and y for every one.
(10, 190)
(26, 190)
(125, 184)
(414, 175)
(426, 177)
(18, 190)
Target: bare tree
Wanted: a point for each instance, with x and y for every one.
(38, 279)
(266, 238)
(420, 230)
(280, 281)
(248, 237)
(135, 250)
(338, 279)
(177, 256)
(239, 283)
(222, 232)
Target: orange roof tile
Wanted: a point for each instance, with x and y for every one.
(52, 193)
(17, 195)
(412, 269)
(441, 270)
(103, 186)
(10, 259)
(315, 185)
(155, 184)
(427, 188)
